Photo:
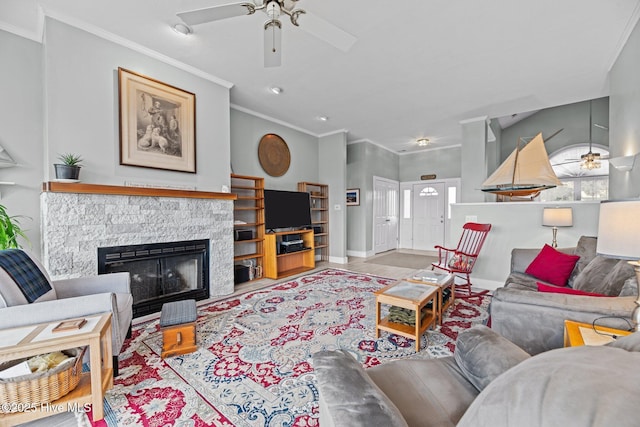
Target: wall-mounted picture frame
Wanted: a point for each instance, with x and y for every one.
(353, 197)
(157, 124)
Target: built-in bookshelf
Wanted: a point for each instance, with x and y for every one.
(319, 216)
(248, 216)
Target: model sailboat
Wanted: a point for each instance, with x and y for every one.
(525, 173)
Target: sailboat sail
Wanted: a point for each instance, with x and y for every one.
(526, 172)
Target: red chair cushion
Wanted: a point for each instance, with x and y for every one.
(565, 290)
(552, 266)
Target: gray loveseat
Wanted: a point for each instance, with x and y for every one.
(535, 320)
(488, 382)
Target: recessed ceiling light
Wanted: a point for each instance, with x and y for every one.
(182, 29)
(323, 118)
(275, 89)
(423, 142)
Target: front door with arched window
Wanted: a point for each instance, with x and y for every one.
(428, 215)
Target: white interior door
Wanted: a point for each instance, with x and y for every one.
(385, 214)
(428, 215)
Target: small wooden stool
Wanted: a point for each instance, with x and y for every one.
(178, 326)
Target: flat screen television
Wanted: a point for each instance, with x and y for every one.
(284, 209)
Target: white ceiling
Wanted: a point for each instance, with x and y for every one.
(417, 69)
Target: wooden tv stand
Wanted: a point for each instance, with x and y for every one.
(286, 264)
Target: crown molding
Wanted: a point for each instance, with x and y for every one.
(373, 143)
(628, 29)
(99, 32)
(430, 149)
(273, 119)
(334, 132)
(21, 32)
(474, 120)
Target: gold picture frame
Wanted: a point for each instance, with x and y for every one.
(157, 124)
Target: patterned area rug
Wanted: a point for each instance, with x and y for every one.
(252, 367)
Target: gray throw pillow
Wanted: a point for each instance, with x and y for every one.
(616, 279)
(482, 355)
(604, 276)
(630, 288)
(586, 250)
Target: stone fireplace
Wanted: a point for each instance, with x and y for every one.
(77, 219)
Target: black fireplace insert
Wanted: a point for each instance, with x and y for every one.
(160, 272)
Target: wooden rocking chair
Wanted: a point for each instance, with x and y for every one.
(460, 261)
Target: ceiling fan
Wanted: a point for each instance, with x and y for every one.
(274, 9)
(590, 160)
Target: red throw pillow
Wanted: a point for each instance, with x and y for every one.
(565, 290)
(552, 266)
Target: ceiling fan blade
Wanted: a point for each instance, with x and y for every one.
(326, 31)
(215, 13)
(272, 45)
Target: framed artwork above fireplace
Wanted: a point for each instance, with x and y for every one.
(157, 124)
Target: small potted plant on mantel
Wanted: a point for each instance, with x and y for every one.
(69, 169)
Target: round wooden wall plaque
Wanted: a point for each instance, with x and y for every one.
(274, 155)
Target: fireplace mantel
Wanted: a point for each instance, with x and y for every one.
(65, 187)
(79, 218)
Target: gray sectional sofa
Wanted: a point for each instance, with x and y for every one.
(535, 320)
(488, 382)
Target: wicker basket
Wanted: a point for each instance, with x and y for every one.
(29, 391)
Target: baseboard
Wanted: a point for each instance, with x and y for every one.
(338, 260)
(360, 254)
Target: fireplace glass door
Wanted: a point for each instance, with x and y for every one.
(160, 273)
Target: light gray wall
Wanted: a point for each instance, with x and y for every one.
(364, 161)
(572, 118)
(493, 148)
(81, 86)
(21, 131)
(356, 215)
(246, 132)
(474, 160)
(444, 162)
(333, 172)
(625, 117)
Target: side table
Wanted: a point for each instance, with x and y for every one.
(578, 333)
(412, 296)
(27, 341)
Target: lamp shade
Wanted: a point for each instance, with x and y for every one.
(619, 229)
(557, 217)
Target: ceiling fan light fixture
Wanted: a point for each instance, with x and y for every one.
(182, 29)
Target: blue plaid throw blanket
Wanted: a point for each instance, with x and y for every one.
(32, 283)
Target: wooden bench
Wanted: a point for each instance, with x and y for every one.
(178, 326)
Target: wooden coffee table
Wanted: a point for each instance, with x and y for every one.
(27, 341)
(442, 281)
(413, 296)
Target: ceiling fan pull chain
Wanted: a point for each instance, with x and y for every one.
(273, 39)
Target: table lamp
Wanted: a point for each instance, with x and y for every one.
(557, 217)
(619, 237)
